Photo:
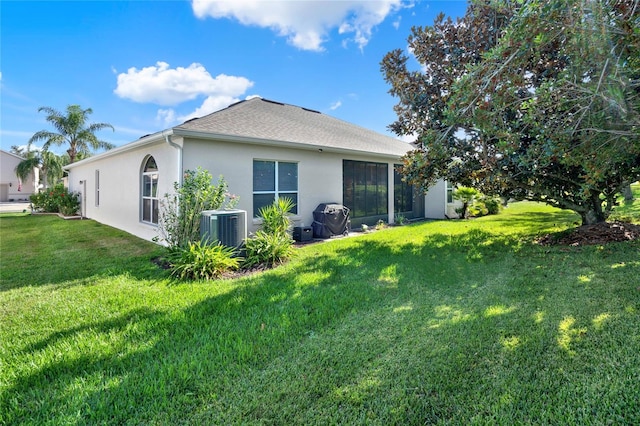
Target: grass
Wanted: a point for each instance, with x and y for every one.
(628, 211)
(445, 322)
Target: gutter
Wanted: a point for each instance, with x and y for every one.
(146, 140)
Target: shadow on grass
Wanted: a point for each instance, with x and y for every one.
(537, 220)
(405, 335)
(158, 359)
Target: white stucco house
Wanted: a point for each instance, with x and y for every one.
(263, 149)
(13, 188)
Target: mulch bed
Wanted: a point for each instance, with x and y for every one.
(599, 233)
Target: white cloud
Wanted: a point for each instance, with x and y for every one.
(166, 116)
(396, 23)
(305, 24)
(162, 85)
(335, 105)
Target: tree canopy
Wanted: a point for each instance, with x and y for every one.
(50, 165)
(528, 100)
(73, 131)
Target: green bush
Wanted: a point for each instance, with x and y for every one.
(272, 244)
(180, 211)
(485, 206)
(477, 209)
(466, 195)
(492, 204)
(201, 261)
(56, 200)
(269, 249)
(275, 217)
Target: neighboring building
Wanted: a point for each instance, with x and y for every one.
(11, 187)
(263, 149)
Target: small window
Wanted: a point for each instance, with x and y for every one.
(272, 180)
(150, 191)
(97, 188)
(449, 192)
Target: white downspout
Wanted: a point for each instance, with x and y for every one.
(167, 137)
(83, 200)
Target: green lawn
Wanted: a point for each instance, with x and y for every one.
(444, 322)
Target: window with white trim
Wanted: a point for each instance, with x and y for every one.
(150, 191)
(450, 189)
(272, 180)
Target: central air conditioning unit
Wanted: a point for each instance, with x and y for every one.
(229, 227)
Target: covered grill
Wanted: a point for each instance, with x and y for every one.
(330, 220)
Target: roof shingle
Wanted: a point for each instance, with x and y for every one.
(259, 118)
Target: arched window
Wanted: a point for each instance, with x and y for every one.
(150, 191)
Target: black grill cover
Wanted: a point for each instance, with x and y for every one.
(330, 220)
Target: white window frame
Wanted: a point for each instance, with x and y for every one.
(153, 198)
(276, 192)
(449, 192)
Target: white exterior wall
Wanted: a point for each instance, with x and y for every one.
(121, 186)
(319, 178)
(9, 182)
(436, 206)
(319, 173)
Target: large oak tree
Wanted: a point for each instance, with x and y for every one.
(529, 99)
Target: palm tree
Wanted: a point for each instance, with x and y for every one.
(25, 167)
(73, 131)
(466, 195)
(18, 150)
(50, 166)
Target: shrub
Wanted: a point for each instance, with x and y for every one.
(179, 222)
(57, 199)
(492, 204)
(273, 243)
(466, 195)
(201, 261)
(269, 249)
(400, 219)
(477, 209)
(275, 217)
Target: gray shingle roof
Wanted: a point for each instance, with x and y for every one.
(273, 121)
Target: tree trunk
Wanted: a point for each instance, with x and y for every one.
(593, 213)
(591, 217)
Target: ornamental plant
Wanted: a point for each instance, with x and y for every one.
(180, 211)
(56, 200)
(272, 244)
(199, 260)
(466, 195)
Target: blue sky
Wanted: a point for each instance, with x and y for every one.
(144, 66)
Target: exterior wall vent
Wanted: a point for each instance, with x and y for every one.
(229, 227)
